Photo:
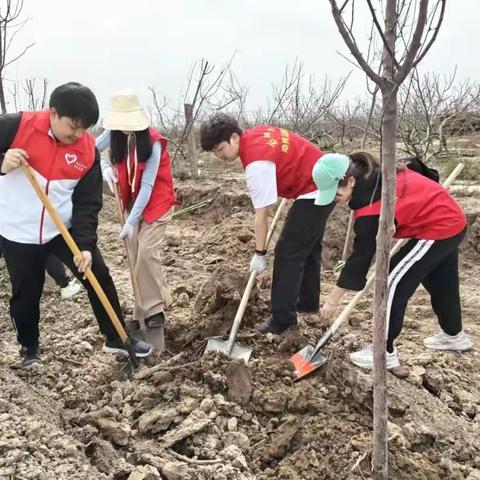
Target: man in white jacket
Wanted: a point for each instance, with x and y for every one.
(62, 156)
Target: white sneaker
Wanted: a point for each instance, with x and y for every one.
(441, 341)
(70, 290)
(364, 358)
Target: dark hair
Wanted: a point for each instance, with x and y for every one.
(77, 102)
(118, 145)
(219, 128)
(362, 165)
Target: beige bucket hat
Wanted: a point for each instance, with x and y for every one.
(126, 113)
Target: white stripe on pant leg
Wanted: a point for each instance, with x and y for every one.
(404, 262)
(417, 252)
(401, 265)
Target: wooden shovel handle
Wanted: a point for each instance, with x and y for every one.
(348, 237)
(251, 282)
(76, 252)
(131, 263)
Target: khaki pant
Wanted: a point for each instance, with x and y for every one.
(146, 244)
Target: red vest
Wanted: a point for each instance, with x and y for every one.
(51, 159)
(57, 167)
(162, 197)
(424, 209)
(293, 155)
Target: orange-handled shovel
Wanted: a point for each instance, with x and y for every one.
(76, 253)
(310, 358)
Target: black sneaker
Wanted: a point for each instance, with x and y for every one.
(142, 349)
(276, 328)
(155, 321)
(30, 356)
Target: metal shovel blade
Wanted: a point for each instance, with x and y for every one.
(305, 363)
(154, 336)
(129, 367)
(237, 351)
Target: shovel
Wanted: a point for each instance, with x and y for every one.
(155, 336)
(348, 238)
(229, 347)
(89, 274)
(310, 358)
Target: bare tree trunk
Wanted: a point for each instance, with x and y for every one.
(3, 28)
(384, 240)
(192, 148)
(393, 74)
(3, 105)
(382, 263)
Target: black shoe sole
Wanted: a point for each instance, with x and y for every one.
(276, 331)
(115, 350)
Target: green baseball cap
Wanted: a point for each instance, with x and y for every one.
(326, 173)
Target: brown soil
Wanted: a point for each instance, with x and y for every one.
(209, 417)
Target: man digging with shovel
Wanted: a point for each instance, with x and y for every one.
(278, 163)
(63, 160)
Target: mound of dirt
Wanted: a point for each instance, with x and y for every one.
(222, 293)
(222, 202)
(471, 244)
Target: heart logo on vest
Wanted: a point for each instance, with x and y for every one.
(70, 158)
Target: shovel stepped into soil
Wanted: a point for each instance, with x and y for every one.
(127, 341)
(229, 347)
(154, 336)
(311, 357)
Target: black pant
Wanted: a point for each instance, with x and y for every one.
(56, 269)
(26, 267)
(298, 255)
(434, 264)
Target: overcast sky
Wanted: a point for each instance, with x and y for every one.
(114, 44)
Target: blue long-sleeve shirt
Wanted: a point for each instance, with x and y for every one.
(148, 176)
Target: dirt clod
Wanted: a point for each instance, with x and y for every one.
(239, 383)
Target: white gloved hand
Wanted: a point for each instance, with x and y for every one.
(127, 231)
(258, 263)
(110, 176)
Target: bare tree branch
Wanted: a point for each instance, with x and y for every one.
(10, 13)
(382, 35)
(351, 44)
(20, 55)
(434, 36)
(415, 43)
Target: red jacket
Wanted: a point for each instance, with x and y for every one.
(293, 155)
(424, 209)
(162, 197)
